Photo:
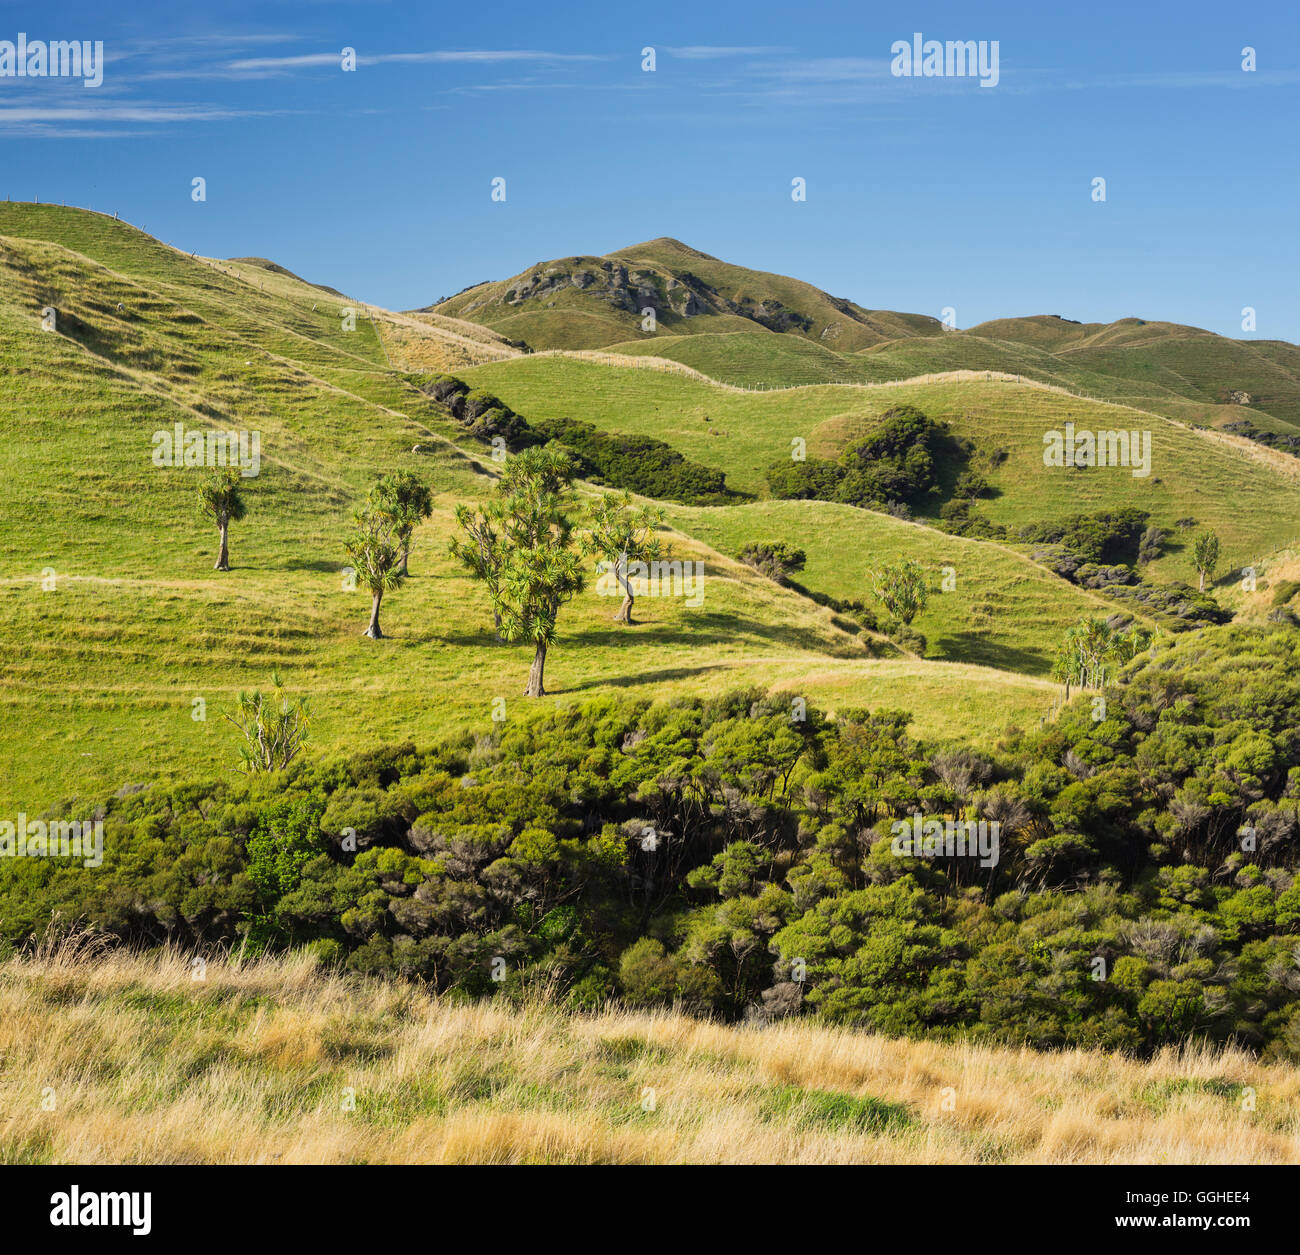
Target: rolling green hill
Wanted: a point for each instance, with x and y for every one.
(1003, 610)
(1193, 473)
(753, 359)
(114, 623)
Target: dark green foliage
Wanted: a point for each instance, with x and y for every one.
(969, 485)
(812, 480)
(1284, 591)
(639, 464)
(734, 856)
(1288, 442)
(1094, 551)
(286, 839)
(1101, 575)
(775, 559)
(1177, 606)
(1149, 546)
(958, 517)
(898, 463)
(1108, 536)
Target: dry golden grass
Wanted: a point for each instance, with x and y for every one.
(115, 1057)
(429, 342)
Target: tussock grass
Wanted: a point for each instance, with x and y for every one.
(121, 1057)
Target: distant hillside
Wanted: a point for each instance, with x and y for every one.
(591, 302)
(1197, 474)
(148, 336)
(755, 329)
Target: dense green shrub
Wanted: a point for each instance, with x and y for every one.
(1284, 591)
(735, 855)
(1177, 606)
(1108, 536)
(959, 517)
(897, 463)
(775, 559)
(638, 464)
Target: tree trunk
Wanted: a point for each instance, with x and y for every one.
(496, 619)
(373, 630)
(624, 614)
(1202, 575)
(536, 688)
(223, 558)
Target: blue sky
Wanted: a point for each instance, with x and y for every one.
(922, 193)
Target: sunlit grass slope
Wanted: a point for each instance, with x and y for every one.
(586, 302)
(1001, 610)
(114, 623)
(1254, 507)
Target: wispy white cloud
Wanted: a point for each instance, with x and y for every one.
(287, 63)
(1184, 79)
(831, 69)
(43, 131)
(535, 85)
(711, 52)
(54, 120)
(477, 56)
(178, 44)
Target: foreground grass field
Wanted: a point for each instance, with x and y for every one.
(276, 1062)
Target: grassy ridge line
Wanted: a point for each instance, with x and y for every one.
(1260, 453)
(252, 1064)
(481, 341)
(125, 251)
(225, 265)
(766, 361)
(1168, 367)
(1199, 363)
(168, 392)
(301, 371)
(1274, 458)
(552, 305)
(668, 365)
